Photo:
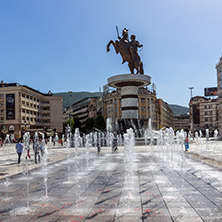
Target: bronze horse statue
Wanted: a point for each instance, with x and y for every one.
(128, 51)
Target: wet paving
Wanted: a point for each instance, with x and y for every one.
(167, 186)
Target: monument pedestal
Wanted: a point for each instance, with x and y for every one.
(129, 84)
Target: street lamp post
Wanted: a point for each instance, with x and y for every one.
(191, 107)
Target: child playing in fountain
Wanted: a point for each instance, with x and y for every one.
(186, 143)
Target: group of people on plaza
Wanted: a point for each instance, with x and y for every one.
(114, 145)
(38, 148)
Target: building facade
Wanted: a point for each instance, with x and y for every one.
(87, 107)
(204, 113)
(219, 89)
(148, 107)
(166, 115)
(22, 108)
(182, 122)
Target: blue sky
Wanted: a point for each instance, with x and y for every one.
(60, 45)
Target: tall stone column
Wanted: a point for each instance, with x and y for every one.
(129, 97)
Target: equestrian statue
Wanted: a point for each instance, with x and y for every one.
(128, 51)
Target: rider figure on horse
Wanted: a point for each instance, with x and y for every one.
(124, 41)
(128, 51)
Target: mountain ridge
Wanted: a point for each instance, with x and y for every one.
(77, 96)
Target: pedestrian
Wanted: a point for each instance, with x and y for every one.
(41, 146)
(28, 150)
(36, 151)
(114, 145)
(98, 144)
(19, 149)
(54, 140)
(186, 143)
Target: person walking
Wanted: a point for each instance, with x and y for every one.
(54, 140)
(19, 149)
(98, 144)
(114, 145)
(41, 146)
(36, 151)
(28, 150)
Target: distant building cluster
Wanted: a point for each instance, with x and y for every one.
(110, 107)
(206, 111)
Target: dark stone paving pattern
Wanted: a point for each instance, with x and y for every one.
(154, 187)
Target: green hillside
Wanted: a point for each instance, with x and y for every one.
(179, 110)
(76, 96)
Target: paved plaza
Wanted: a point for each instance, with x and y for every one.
(158, 184)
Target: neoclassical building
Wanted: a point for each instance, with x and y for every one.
(22, 108)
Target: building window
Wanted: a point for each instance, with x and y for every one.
(142, 100)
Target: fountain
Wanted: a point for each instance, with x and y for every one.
(94, 179)
(43, 146)
(68, 145)
(7, 152)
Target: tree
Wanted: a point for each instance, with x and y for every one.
(77, 123)
(89, 123)
(100, 123)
